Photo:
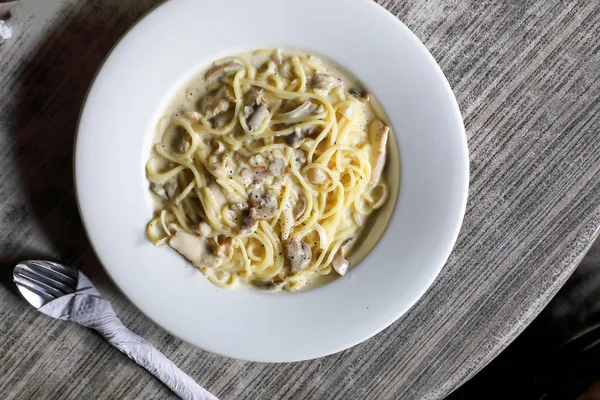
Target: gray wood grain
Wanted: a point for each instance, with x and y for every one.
(527, 78)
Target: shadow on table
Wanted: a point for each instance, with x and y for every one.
(52, 88)
(558, 356)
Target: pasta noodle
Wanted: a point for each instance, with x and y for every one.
(268, 173)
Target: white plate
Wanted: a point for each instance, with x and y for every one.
(155, 58)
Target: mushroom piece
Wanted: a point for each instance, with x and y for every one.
(248, 224)
(225, 92)
(211, 105)
(256, 174)
(221, 168)
(325, 82)
(277, 166)
(317, 176)
(274, 284)
(298, 254)
(224, 247)
(192, 115)
(300, 206)
(256, 119)
(239, 207)
(277, 57)
(255, 97)
(247, 177)
(340, 264)
(258, 160)
(378, 133)
(360, 94)
(265, 208)
(220, 70)
(317, 108)
(255, 109)
(184, 146)
(222, 119)
(294, 139)
(300, 156)
(198, 250)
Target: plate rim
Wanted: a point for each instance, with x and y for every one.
(452, 243)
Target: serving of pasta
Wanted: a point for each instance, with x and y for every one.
(266, 169)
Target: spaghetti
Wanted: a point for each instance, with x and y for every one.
(268, 173)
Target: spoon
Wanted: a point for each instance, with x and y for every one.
(65, 293)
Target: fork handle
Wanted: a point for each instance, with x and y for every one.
(155, 362)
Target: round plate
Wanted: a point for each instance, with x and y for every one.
(155, 58)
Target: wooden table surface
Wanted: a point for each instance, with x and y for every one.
(527, 78)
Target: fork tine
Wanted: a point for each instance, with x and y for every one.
(64, 281)
(34, 284)
(60, 272)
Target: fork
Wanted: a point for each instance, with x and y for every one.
(65, 293)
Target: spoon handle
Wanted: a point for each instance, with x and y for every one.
(155, 362)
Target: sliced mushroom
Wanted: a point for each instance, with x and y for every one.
(317, 176)
(360, 94)
(340, 264)
(378, 133)
(256, 119)
(248, 224)
(221, 70)
(317, 108)
(298, 254)
(225, 92)
(300, 156)
(277, 57)
(184, 146)
(239, 207)
(260, 175)
(211, 105)
(200, 251)
(255, 193)
(258, 160)
(192, 115)
(274, 284)
(255, 97)
(277, 166)
(224, 247)
(294, 139)
(300, 206)
(255, 110)
(247, 177)
(325, 82)
(222, 119)
(265, 208)
(221, 168)
(256, 175)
